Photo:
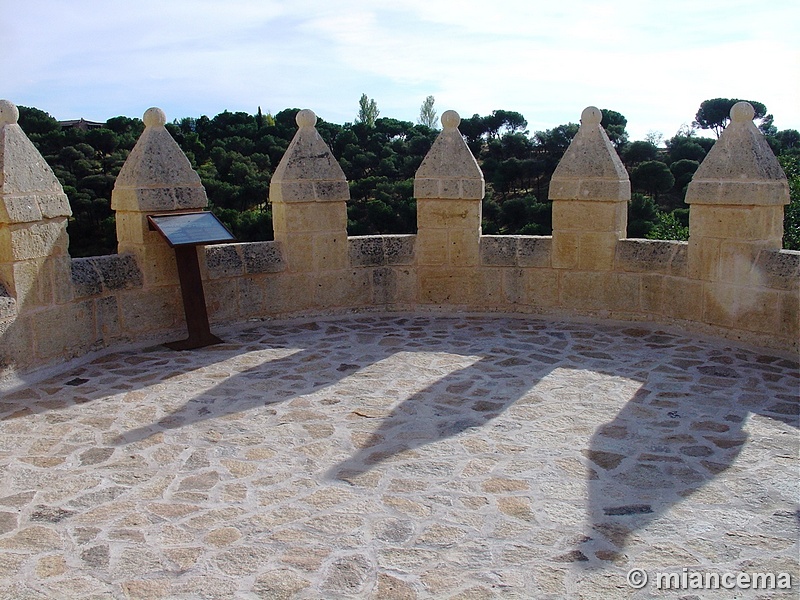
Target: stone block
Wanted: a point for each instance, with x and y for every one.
(789, 319)
(288, 293)
(576, 215)
(743, 223)
(384, 286)
(407, 286)
(16, 345)
(251, 296)
(596, 250)
(742, 307)
(542, 287)
(779, 270)
(309, 217)
(366, 251)
(651, 294)
(8, 304)
(489, 291)
(399, 249)
(589, 189)
(61, 269)
(222, 299)
(31, 285)
(118, 271)
(20, 209)
(682, 299)
(133, 228)
(66, 330)
(514, 287)
(107, 318)
(157, 264)
(534, 251)
(346, 288)
(290, 191)
(448, 214)
(262, 257)
(703, 258)
(86, 281)
(432, 247)
(600, 291)
(154, 309)
(455, 287)
(331, 191)
(54, 205)
(33, 240)
(565, 246)
(329, 251)
(646, 256)
(499, 250)
(463, 248)
(224, 260)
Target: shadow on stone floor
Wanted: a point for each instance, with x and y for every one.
(681, 429)
(666, 445)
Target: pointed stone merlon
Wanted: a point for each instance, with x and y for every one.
(309, 194)
(449, 188)
(34, 262)
(156, 178)
(737, 197)
(590, 191)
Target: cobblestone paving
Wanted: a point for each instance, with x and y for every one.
(402, 456)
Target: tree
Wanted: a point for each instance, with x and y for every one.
(652, 177)
(715, 114)
(614, 124)
(427, 114)
(367, 111)
(638, 152)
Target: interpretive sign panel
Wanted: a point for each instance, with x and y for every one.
(191, 229)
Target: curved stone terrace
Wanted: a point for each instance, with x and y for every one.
(400, 456)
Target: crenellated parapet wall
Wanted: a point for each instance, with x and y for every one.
(731, 279)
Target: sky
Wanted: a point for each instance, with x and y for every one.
(653, 61)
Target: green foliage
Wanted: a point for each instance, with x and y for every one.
(714, 114)
(668, 226)
(367, 111)
(614, 124)
(638, 152)
(791, 215)
(427, 114)
(642, 216)
(652, 177)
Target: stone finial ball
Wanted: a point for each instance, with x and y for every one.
(306, 118)
(450, 119)
(742, 111)
(154, 117)
(591, 115)
(9, 113)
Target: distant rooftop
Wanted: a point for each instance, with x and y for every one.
(81, 124)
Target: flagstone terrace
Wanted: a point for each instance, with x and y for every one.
(443, 414)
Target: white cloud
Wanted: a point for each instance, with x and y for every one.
(653, 62)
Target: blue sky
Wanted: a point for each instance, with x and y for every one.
(652, 61)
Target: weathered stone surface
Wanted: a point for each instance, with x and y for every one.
(399, 456)
(156, 164)
(262, 257)
(29, 190)
(449, 170)
(308, 171)
(590, 168)
(652, 256)
(740, 169)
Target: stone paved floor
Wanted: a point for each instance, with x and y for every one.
(402, 456)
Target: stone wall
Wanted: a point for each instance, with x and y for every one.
(731, 279)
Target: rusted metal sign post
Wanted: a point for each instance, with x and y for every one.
(184, 232)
